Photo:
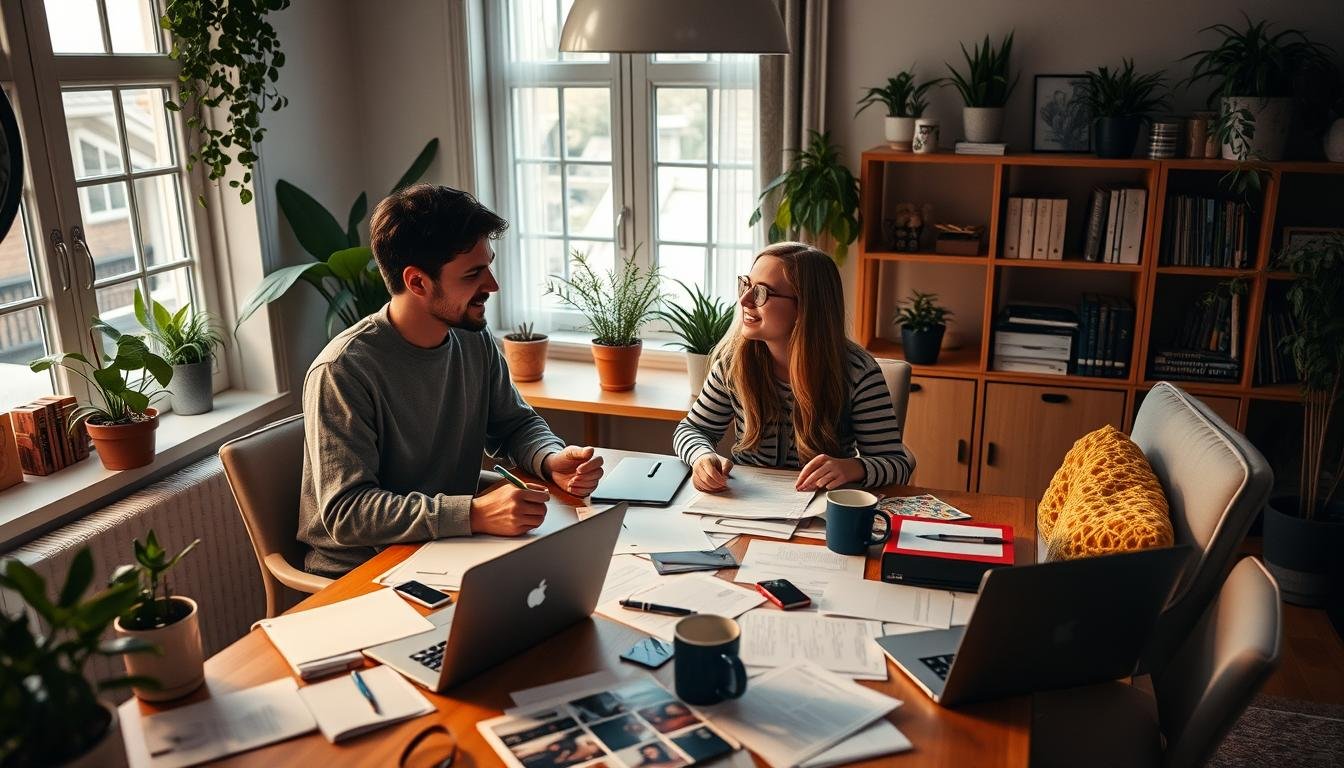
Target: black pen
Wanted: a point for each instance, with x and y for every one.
(666, 610)
(959, 538)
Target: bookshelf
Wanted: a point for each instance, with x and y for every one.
(1019, 425)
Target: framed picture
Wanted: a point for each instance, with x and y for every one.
(1303, 235)
(1060, 121)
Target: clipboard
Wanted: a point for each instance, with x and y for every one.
(650, 481)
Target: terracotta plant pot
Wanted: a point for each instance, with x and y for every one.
(125, 446)
(180, 669)
(110, 751)
(526, 359)
(617, 366)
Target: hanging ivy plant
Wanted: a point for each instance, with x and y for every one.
(230, 58)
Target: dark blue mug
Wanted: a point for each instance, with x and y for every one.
(707, 668)
(850, 515)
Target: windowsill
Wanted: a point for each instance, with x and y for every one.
(576, 345)
(39, 502)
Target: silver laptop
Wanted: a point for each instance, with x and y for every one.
(1039, 627)
(511, 603)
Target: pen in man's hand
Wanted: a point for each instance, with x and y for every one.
(512, 478)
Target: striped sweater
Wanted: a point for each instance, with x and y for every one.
(867, 428)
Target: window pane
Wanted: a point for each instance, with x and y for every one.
(116, 307)
(158, 206)
(172, 289)
(22, 338)
(588, 123)
(537, 117)
(16, 270)
(539, 198)
(601, 256)
(682, 115)
(536, 30)
(91, 121)
(74, 26)
(666, 58)
(734, 200)
(108, 230)
(682, 262)
(590, 203)
(541, 259)
(133, 26)
(735, 126)
(682, 204)
(147, 128)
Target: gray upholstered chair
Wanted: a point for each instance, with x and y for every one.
(1228, 654)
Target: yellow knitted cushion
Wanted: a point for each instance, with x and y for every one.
(1104, 498)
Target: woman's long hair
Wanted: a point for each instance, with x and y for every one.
(817, 358)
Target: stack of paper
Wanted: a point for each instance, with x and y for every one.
(329, 639)
(896, 603)
(221, 726)
(699, 592)
(759, 502)
(811, 568)
(773, 638)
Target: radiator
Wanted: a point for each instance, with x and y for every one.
(220, 574)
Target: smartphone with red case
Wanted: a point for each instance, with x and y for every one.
(781, 592)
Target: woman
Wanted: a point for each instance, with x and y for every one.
(800, 394)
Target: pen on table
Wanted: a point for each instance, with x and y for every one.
(365, 692)
(512, 478)
(963, 539)
(666, 610)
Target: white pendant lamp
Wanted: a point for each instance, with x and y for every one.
(674, 26)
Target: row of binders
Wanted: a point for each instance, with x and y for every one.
(1035, 228)
(1115, 225)
(1205, 232)
(45, 444)
(1105, 336)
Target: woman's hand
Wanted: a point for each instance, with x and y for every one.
(826, 472)
(710, 473)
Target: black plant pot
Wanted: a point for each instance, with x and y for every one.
(1302, 554)
(921, 347)
(1116, 136)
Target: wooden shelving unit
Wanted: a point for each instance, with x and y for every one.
(1007, 443)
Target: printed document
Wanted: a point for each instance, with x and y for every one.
(880, 738)
(699, 592)
(773, 638)
(811, 568)
(888, 602)
(755, 493)
(224, 725)
(310, 639)
(649, 529)
(627, 574)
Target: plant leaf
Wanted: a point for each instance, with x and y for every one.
(348, 264)
(357, 213)
(313, 225)
(78, 579)
(30, 586)
(418, 166)
(276, 284)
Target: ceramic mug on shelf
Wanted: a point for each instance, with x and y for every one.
(925, 141)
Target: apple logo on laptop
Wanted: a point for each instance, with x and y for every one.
(537, 595)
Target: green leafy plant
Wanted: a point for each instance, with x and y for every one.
(1317, 347)
(184, 338)
(921, 312)
(900, 95)
(231, 59)
(343, 270)
(123, 401)
(616, 306)
(985, 82)
(152, 562)
(701, 327)
(49, 710)
(524, 332)
(820, 198)
(1125, 93)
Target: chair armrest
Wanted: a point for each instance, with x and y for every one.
(293, 577)
(488, 478)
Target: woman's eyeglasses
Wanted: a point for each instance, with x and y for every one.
(434, 746)
(759, 294)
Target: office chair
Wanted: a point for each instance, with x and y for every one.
(897, 375)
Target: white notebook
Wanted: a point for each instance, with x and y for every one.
(342, 711)
(329, 639)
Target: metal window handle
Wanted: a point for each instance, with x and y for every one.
(77, 234)
(1055, 398)
(620, 226)
(961, 451)
(991, 453)
(62, 258)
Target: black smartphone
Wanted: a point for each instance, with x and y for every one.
(781, 592)
(649, 652)
(423, 594)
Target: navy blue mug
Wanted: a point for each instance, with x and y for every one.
(707, 668)
(850, 515)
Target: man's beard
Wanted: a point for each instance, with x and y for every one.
(462, 321)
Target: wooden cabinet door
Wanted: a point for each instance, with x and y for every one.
(1028, 429)
(938, 431)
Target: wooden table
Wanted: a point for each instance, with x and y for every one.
(989, 734)
(570, 385)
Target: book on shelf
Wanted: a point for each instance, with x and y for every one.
(1034, 227)
(1039, 314)
(1207, 347)
(1273, 362)
(1202, 231)
(1027, 228)
(1040, 243)
(1012, 227)
(1116, 221)
(980, 148)
(1105, 336)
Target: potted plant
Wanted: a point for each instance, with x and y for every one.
(188, 341)
(984, 88)
(1305, 534)
(525, 353)
(50, 713)
(820, 200)
(904, 102)
(700, 329)
(922, 323)
(1119, 101)
(122, 428)
(159, 618)
(615, 307)
(1254, 72)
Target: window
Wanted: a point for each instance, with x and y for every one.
(612, 155)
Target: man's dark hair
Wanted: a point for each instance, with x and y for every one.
(427, 226)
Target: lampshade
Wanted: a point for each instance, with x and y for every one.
(674, 26)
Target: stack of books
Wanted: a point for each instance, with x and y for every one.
(1273, 363)
(1208, 347)
(1105, 336)
(1031, 338)
(1115, 223)
(45, 444)
(1034, 228)
(980, 148)
(1205, 232)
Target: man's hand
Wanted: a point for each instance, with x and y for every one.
(509, 510)
(576, 470)
(710, 473)
(827, 472)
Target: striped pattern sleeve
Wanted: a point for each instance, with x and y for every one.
(707, 420)
(877, 436)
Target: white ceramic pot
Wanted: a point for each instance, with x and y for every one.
(1271, 125)
(108, 753)
(982, 124)
(1334, 142)
(925, 141)
(899, 131)
(180, 669)
(697, 367)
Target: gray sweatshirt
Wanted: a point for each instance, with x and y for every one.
(393, 439)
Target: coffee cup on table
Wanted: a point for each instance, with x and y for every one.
(850, 515)
(707, 669)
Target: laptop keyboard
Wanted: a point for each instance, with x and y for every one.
(432, 656)
(938, 664)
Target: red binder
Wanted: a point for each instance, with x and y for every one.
(944, 570)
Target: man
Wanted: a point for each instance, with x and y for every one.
(399, 407)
